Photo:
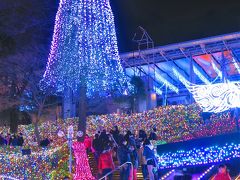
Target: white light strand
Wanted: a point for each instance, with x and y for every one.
(206, 172)
(167, 83)
(8, 177)
(236, 64)
(157, 90)
(219, 73)
(201, 76)
(84, 49)
(168, 174)
(180, 77)
(216, 97)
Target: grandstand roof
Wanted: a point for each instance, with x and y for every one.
(200, 61)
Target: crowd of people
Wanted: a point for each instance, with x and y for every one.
(11, 140)
(128, 141)
(113, 149)
(124, 148)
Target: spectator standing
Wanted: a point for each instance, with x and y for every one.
(20, 139)
(116, 134)
(87, 143)
(9, 139)
(96, 147)
(142, 161)
(222, 173)
(148, 152)
(123, 157)
(142, 135)
(105, 164)
(14, 140)
(103, 140)
(134, 161)
(44, 143)
(2, 142)
(153, 135)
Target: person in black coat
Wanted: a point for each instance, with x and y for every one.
(97, 147)
(1, 140)
(123, 153)
(104, 140)
(153, 135)
(14, 140)
(45, 142)
(142, 135)
(20, 139)
(116, 134)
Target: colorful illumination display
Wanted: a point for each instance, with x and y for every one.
(38, 166)
(157, 90)
(42, 163)
(219, 73)
(168, 174)
(180, 77)
(206, 172)
(173, 123)
(83, 170)
(236, 64)
(208, 155)
(7, 177)
(200, 75)
(167, 83)
(216, 97)
(84, 49)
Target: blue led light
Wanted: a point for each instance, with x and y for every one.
(208, 155)
(200, 75)
(84, 49)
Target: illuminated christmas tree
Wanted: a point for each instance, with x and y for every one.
(84, 51)
(84, 54)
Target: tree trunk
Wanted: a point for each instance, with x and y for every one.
(36, 118)
(82, 112)
(13, 120)
(36, 132)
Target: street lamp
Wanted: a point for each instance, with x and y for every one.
(69, 137)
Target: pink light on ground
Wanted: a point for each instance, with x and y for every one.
(83, 170)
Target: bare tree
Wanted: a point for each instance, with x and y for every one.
(25, 34)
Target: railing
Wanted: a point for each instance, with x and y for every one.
(119, 167)
(238, 177)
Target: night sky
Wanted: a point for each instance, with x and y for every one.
(166, 21)
(172, 21)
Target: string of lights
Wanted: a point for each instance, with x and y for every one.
(200, 75)
(206, 172)
(181, 77)
(216, 97)
(199, 156)
(236, 64)
(173, 123)
(8, 177)
(219, 73)
(167, 174)
(167, 83)
(84, 49)
(83, 170)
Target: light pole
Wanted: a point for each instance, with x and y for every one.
(70, 135)
(70, 138)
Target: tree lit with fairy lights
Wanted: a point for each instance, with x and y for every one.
(84, 55)
(84, 49)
